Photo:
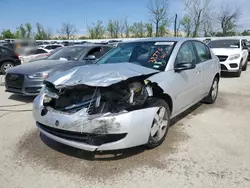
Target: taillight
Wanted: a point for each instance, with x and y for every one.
(17, 55)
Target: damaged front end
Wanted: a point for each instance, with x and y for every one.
(94, 117)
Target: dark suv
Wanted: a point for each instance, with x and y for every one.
(8, 59)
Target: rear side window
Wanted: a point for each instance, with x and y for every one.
(54, 47)
(48, 47)
(40, 51)
(106, 49)
(5, 51)
(202, 51)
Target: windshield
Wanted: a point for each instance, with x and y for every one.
(224, 44)
(67, 53)
(148, 54)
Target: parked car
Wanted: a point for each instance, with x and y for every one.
(44, 56)
(27, 79)
(33, 53)
(128, 96)
(51, 47)
(232, 53)
(248, 46)
(8, 59)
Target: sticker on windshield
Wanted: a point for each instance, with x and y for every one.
(156, 66)
(164, 43)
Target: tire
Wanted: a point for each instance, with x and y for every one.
(238, 73)
(5, 66)
(154, 140)
(212, 96)
(244, 68)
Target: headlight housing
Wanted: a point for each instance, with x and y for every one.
(40, 75)
(235, 56)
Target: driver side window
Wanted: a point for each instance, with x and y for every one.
(97, 52)
(186, 54)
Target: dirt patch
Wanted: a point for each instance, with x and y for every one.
(40, 150)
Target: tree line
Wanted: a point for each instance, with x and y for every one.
(202, 18)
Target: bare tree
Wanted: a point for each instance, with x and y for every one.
(42, 34)
(68, 29)
(97, 31)
(149, 28)
(197, 10)
(117, 28)
(208, 28)
(110, 28)
(186, 25)
(158, 11)
(28, 30)
(228, 18)
(137, 29)
(126, 27)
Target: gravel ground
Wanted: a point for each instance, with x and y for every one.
(208, 146)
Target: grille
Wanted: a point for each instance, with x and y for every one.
(89, 138)
(14, 81)
(223, 67)
(222, 57)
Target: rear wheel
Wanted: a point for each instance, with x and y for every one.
(213, 93)
(5, 66)
(160, 124)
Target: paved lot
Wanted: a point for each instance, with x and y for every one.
(209, 146)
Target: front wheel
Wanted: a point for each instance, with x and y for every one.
(5, 66)
(160, 124)
(213, 93)
(244, 68)
(238, 73)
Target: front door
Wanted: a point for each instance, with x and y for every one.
(188, 83)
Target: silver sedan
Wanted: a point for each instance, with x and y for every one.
(129, 96)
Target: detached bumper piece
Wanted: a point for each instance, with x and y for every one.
(88, 138)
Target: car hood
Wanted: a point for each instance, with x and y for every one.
(38, 66)
(102, 75)
(226, 51)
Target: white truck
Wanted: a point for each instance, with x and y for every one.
(232, 53)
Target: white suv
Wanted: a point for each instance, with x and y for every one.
(232, 53)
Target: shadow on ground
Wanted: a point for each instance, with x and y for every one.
(21, 98)
(40, 150)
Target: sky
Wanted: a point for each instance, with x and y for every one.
(51, 13)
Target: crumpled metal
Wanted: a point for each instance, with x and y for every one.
(98, 75)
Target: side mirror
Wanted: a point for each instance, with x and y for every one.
(90, 58)
(184, 66)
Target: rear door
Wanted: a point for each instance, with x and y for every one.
(188, 83)
(205, 64)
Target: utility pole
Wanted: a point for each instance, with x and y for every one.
(175, 25)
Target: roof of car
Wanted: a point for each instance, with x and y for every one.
(174, 39)
(90, 45)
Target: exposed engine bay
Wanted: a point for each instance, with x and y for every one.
(126, 95)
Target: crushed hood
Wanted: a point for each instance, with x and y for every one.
(102, 75)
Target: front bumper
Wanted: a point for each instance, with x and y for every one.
(27, 87)
(135, 127)
(229, 66)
